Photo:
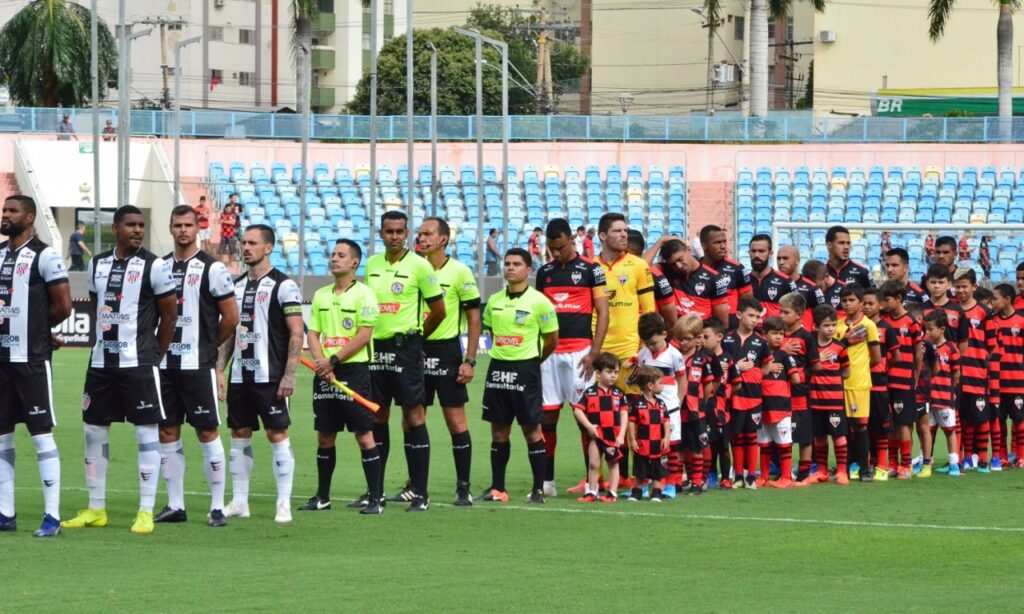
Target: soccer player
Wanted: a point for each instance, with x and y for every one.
(658, 353)
(939, 298)
(897, 269)
(1018, 303)
(207, 316)
(403, 282)
(447, 370)
(702, 374)
(768, 284)
(827, 398)
(664, 295)
(648, 432)
(801, 345)
(976, 350)
(945, 255)
(698, 288)
(341, 321)
(750, 356)
(577, 289)
(717, 414)
(788, 261)
(203, 223)
(776, 432)
(809, 285)
(840, 267)
(716, 248)
(1009, 324)
(943, 359)
(880, 417)
(266, 347)
(903, 368)
(602, 412)
(524, 327)
(34, 296)
(132, 294)
(829, 286)
(861, 337)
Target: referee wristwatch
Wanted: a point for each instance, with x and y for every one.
(334, 360)
(470, 362)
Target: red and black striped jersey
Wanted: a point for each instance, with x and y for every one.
(851, 272)
(570, 288)
(981, 343)
(900, 367)
(700, 292)
(806, 356)
(1018, 303)
(777, 390)
(886, 344)
(1010, 337)
(813, 296)
(724, 392)
(994, 391)
(651, 420)
(945, 362)
(770, 288)
(914, 294)
(746, 394)
(827, 382)
(604, 408)
(699, 373)
(956, 323)
(832, 298)
(739, 279)
(663, 293)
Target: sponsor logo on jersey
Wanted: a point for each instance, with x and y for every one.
(180, 349)
(9, 341)
(184, 321)
(508, 340)
(504, 377)
(251, 364)
(336, 342)
(112, 346)
(388, 307)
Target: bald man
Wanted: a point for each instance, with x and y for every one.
(788, 261)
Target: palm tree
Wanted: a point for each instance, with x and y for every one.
(303, 12)
(45, 54)
(760, 12)
(938, 16)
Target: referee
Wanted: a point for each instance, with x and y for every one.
(402, 282)
(524, 330)
(341, 321)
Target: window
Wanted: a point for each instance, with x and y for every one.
(366, 41)
(326, 6)
(216, 77)
(177, 25)
(247, 78)
(789, 28)
(216, 33)
(366, 6)
(737, 32)
(389, 7)
(771, 28)
(247, 37)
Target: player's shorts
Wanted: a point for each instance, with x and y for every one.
(190, 395)
(1012, 406)
(942, 417)
(227, 245)
(512, 393)
(562, 379)
(858, 403)
(647, 468)
(716, 434)
(828, 424)
(880, 418)
(130, 394)
(203, 234)
(803, 431)
(904, 406)
(675, 425)
(396, 373)
(744, 422)
(249, 404)
(974, 409)
(609, 451)
(26, 396)
(779, 433)
(441, 372)
(333, 410)
(694, 436)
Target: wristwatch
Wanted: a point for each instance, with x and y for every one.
(470, 362)
(334, 360)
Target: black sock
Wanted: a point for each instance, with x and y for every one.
(417, 450)
(538, 454)
(326, 459)
(624, 463)
(500, 451)
(382, 435)
(462, 450)
(549, 464)
(655, 493)
(638, 493)
(724, 461)
(863, 449)
(372, 464)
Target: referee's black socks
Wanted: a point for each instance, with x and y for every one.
(382, 435)
(538, 454)
(326, 459)
(500, 451)
(462, 450)
(373, 464)
(417, 447)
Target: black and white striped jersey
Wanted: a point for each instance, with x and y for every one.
(126, 292)
(26, 274)
(261, 338)
(201, 282)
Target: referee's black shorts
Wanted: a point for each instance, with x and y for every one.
(512, 393)
(129, 394)
(440, 373)
(333, 410)
(26, 396)
(396, 372)
(190, 395)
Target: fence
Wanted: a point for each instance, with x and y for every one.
(640, 128)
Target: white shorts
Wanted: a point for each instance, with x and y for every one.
(561, 379)
(204, 234)
(780, 433)
(675, 425)
(943, 418)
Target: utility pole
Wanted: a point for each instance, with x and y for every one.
(542, 46)
(163, 22)
(545, 91)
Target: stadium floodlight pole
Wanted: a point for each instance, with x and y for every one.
(373, 127)
(433, 128)
(307, 66)
(478, 60)
(94, 67)
(410, 119)
(503, 47)
(177, 114)
(124, 127)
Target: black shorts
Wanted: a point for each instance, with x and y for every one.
(512, 392)
(974, 409)
(130, 394)
(803, 431)
(647, 468)
(880, 415)
(608, 450)
(26, 396)
(904, 406)
(396, 374)
(1012, 406)
(190, 395)
(828, 423)
(741, 422)
(694, 436)
(716, 434)
(333, 410)
(442, 360)
(248, 404)
(227, 245)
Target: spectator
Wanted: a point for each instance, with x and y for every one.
(964, 248)
(203, 215)
(886, 246)
(536, 253)
(493, 256)
(228, 232)
(588, 245)
(696, 247)
(985, 257)
(65, 130)
(77, 248)
(581, 234)
(929, 247)
(109, 131)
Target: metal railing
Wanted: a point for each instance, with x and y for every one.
(637, 128)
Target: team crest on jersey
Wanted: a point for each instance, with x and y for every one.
(86, 400)
(397, 287)
(699, 288)
(975, 322)
(193, 279)
(773, 292)
(834, 420)
(944, 359)
(576, 277)
(521, 316)
(262, 297)
(1015, 331)
(979, 403)
(751, 356)
(835, 302)
(623, 279)
(133, 277)
(21, 269)
(904, 331)
(348, 323)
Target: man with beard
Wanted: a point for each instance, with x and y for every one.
(769, 285)
(840, 267)
(664, 295)
(716, 248)
(897, 268)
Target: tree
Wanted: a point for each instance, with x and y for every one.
(938, 15)
(760, 12)
(303, 12)
(45, 55)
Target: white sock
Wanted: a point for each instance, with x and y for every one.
(241, 469)
(284, 470)
(7, 475)
(954, 458)
(172, 465)
(97, 455)
(148, 437)
(213, 462)
(49, 472)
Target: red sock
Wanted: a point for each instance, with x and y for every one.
(752, 455)
(906, 448)
(739, 447)
(708, 467)
(882, 452)
(766, 459)
(841, 454)
(675, 465)
(786, 460)
(995, 429)
(1018, 439)
(894, 451)
(697, 462)
(803, 467)
(821, 454)
(981, 442)
(966, 433)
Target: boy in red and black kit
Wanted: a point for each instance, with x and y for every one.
(648, 432)
(751, 358)
(943, 358)
(699, 394)
(903, 366)
(975, 352)
(880, 419)
(801, 345)
(602, 413)
(776, 432)
(716, 414)
(938, 284)
(828, 399)
(1009, 323)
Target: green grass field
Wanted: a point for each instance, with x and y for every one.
(877, 546)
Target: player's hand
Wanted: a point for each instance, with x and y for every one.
(775, 368)
(465, 375)
(287, 387)
(592, 431)
(792, 348)
(744, 365)
(693, 416)
(635, 445)
(56, 341)
(586, 364)
(325, 369)
(222, 387)
(629, 363)
(620, 441)
(827, 355)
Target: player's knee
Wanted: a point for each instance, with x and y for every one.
(455, 419)
(169, 434)
(206, 435)
(326, 440)
(551, 419)
(533, 433)
(413, 416)
(276, 435)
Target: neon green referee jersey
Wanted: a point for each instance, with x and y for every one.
(337, 317)
(517, 322)
(401, 288)
(460, 294)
